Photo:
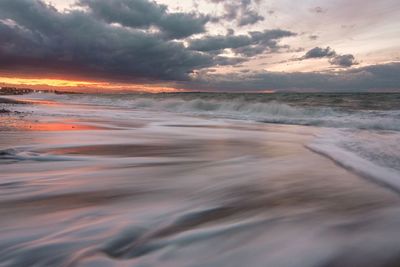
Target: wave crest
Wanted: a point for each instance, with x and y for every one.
(255, 108)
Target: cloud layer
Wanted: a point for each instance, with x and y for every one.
(240, 11)
(142, 41)
(254, 43)
(144, 14)
(113, 40)
(344, 61)
(371, 78)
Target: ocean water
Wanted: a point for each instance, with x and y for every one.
(364, 124)
(362, 110)
(201, 179)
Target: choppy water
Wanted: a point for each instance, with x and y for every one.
(361, 111)
(201, 180)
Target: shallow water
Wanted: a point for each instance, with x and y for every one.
(109, 184)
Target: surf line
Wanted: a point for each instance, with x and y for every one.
(371, 172)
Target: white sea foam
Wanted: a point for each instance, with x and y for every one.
(241, 194)
(243, 109)
(371, 154)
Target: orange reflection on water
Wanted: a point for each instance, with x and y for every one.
(40, 102)
(13, 123)
(55, 126)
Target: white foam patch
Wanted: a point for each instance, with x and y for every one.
(334, 145)
(242, 109)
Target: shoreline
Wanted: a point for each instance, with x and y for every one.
(279, 147)
(145, 183)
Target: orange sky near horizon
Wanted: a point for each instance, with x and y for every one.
(81, 86)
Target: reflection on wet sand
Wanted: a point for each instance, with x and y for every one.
(235, 194)
(209, 149)
(22, 124)
(52, 126)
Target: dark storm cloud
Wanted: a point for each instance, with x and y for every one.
(249, 17)
(144, 14)
(240, 10)
(318, 52)
(37, 39)
(376, 77)
(344, 61)
(254, 43)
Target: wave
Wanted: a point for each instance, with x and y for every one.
(362, 154)
(275, 112)
(254, 109)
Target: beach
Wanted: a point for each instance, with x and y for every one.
(133, 183)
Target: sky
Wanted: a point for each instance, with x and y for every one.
(201, 45)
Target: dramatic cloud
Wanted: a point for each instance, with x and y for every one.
(36, 38)
(376, 77)
(249, 45)
(344, 61)
(144, 14)
(318, 52)
(241, 11)
(249, 17)
(142, 41)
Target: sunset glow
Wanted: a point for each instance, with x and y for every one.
(47, 82)
(43, 83)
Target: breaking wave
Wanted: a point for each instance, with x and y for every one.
(296, 112)
(373, 155)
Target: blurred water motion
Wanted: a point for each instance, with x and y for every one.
(129, 187)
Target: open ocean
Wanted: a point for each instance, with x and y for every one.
(201, 179)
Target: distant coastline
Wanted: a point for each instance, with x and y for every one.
(6, 90)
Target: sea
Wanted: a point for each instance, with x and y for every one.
(200, 179)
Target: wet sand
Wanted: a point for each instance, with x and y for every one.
(130, 188)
